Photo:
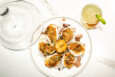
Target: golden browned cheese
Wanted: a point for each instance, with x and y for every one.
(69, 60)
(76, 48)
(53, 60)
(51, 32)
(67, 35)
(46, 48)
(61, 46)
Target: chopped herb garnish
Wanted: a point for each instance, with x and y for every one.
(77, 49)
(61, 37)
(58, 58)
(69, 56)
(47, 53)
(48, 44)
(51, 40)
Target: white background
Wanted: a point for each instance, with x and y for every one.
(102, 62)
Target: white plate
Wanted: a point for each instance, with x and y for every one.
(39, 61)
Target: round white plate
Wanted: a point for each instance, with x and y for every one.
(39, 60)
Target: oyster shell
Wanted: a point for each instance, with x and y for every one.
(46, 48)
(68, 60)
(76, 49)
(51, 32)
(67, 35)
(53, 60)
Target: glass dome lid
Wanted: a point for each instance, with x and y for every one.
(18, 21)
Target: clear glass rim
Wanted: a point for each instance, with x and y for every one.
(33, 32)
(97, 6)
(77, 73)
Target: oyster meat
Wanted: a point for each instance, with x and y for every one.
(53, 61)
(51, 32)
(46, 48)
(76, 49)
(68, 60)
(61, 46)
(67, 35)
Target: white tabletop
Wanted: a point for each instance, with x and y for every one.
(102, 62)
